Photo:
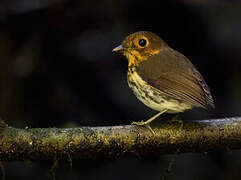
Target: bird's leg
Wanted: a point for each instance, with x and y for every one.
(143, 123)
(146, 123)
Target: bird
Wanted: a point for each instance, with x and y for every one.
(162, 78)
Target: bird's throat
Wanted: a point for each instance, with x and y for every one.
(132, 59)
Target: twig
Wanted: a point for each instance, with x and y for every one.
(119, 141)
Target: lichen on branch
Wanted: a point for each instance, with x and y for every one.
(119, 141)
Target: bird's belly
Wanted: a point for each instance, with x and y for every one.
(152, 97)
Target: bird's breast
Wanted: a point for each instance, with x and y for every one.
(152, 97)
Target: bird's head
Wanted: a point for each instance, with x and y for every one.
(139, 46)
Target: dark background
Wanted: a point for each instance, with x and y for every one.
(57, 69)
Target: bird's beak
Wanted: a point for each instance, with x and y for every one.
(119, 48)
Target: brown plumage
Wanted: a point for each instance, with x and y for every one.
(173, 74)
(162, 78)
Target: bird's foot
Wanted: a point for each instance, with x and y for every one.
(179, 121)
(144, 123)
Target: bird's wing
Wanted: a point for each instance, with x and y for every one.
(173, 74)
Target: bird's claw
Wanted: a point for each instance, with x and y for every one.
(143, 123)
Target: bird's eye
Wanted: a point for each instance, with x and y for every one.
(142, 42)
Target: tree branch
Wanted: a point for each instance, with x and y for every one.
(119, 141)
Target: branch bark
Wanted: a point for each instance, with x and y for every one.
(119, 141)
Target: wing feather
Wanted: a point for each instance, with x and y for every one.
(173, 74)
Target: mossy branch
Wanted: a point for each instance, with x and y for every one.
(119, 141)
